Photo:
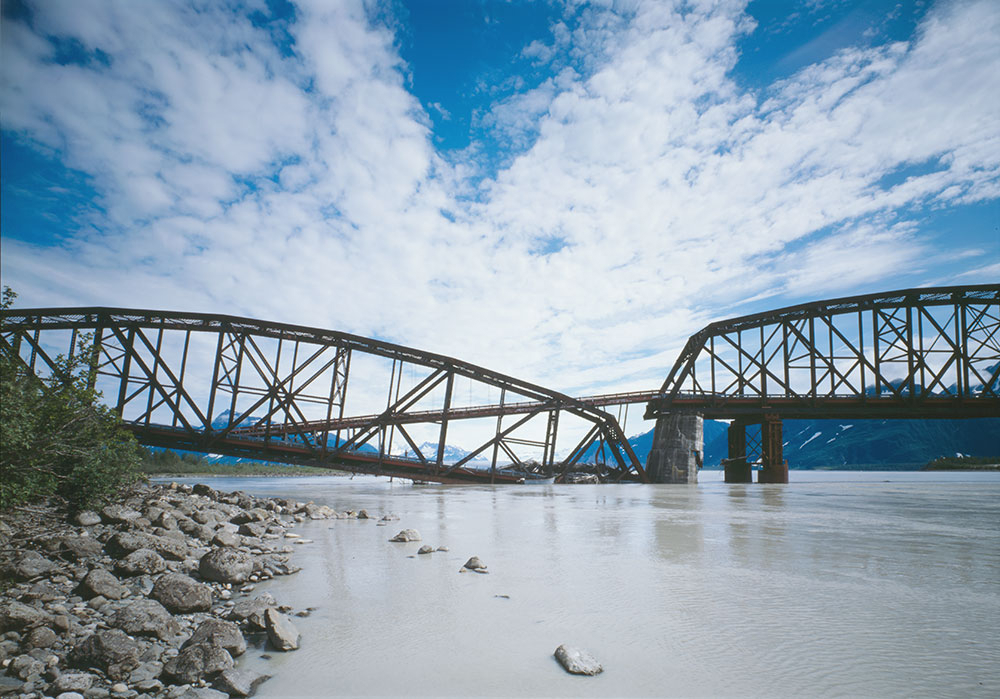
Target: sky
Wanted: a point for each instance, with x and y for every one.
(559, 191)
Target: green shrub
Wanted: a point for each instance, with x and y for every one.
(55, 437)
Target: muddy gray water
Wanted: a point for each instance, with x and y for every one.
(838, 584)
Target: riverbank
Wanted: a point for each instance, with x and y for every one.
(966, 463)
(150, 597)
(204, 469)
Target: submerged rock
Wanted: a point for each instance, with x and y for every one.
(577, 661)
(475, 564)
(407, 535)
(426, 548)
(280, 631)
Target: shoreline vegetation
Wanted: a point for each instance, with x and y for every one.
(964, 463)
(165, 464)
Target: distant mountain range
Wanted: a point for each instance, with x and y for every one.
(808, 444)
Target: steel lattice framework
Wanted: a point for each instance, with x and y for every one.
(244, 387)
(915, 353)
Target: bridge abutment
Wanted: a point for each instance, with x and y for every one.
(678, 446)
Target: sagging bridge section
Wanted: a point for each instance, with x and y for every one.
(914, 353)
(273, 391)
(280, 392)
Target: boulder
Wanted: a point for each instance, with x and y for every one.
(109, 650)
(28, 565)
(73, 682)
(141, 562)
(200, 693)
(100, 583)
(78, 548)
(251, 611)
(119, 514)
(15, 616)
(217, 632)
(182, 594)
(87, 518)
(124, 543)
(197, 662)
(226, 565)
(280, 631)
(577, 661)
(475, 564)
(145, 617)
(239, 683)
(41, 637)
(255, 529)
(426, 548)
(226, 538)
(407, 535)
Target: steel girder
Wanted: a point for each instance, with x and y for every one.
(285, 401)
(931, 353)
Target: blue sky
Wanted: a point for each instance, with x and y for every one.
(559, 191)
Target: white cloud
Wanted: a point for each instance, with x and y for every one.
(306, 187)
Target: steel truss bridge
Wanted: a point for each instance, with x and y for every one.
(916, 353)
(279, 392)
(271, 391)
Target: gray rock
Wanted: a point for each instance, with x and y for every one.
(407, 535)
(87, 518)
(255, 529)
(182, 594)
(110, 650)
(280, 631)
(119, 514)
(426, 548)
(197, 662)
(577, 661)
(251, 611)
(17, 615)
(124, 543)
(70, 695)
(226, 538)
(30, 564)
(475, 564)
(217, 632)
(41, 637)
(100, 583)
(73, 682)
(141, 562)
(226, 565)
(200, 693)
(79, 548)
(145, 617)
(239, 683)
(24, 666)
(148, 670)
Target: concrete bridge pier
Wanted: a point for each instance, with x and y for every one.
(736, 466)
(678, 448)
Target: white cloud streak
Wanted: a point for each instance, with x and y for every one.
(647, 195)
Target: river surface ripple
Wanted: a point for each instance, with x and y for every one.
(838, 584)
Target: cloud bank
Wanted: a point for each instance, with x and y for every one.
(280, 167)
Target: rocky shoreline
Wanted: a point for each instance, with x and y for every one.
(150, 597)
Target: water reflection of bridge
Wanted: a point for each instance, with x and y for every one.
(237, 386)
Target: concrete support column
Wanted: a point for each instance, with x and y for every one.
(773, 466)
(736, 466)
(678, 447)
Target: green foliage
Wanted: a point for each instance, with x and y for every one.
(964, 463)
(167, 462)
(55, 437)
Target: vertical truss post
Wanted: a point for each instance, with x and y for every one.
(551, 430)
(125, 371)
(449, 384)
(180, 378)
(236, 379)
(154, 380)
(496, 440)
(215, 383)
(95, 357)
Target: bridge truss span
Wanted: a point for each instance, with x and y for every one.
(273, 391)
(914, 353)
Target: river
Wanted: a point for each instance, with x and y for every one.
(837, 584)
